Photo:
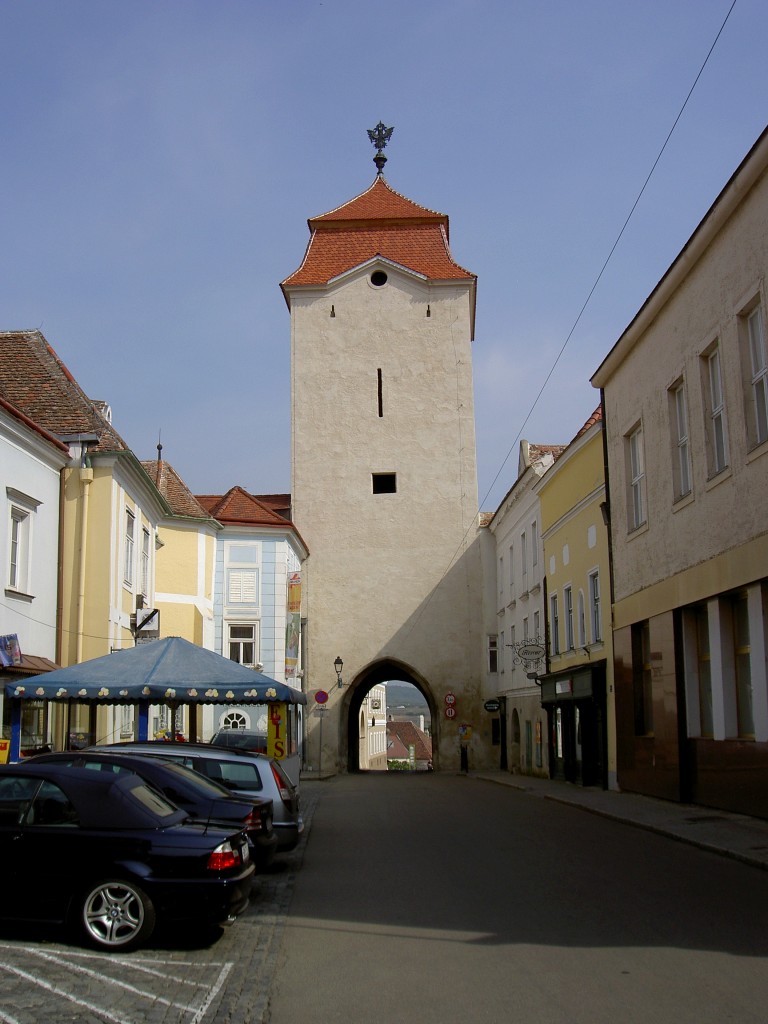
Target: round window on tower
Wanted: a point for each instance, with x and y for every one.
(378, 278)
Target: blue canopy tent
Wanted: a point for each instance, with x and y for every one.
(172, 671)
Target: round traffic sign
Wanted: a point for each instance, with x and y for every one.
(321, 696)
(450, 712)
(450, 699)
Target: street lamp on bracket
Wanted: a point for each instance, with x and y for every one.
(338, 666)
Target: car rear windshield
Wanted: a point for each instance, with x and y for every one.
(234, 774)
(153, 801)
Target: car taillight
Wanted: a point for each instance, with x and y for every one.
(223, 857)
(285, 793)
(253, 822)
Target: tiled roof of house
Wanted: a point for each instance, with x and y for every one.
(36, 381)
(180, 499)
(379, 222)
(28, 422)
(540, 451)
(237, 506)
(380, 201)
(596, 417)
(407, 733)
(280, 503)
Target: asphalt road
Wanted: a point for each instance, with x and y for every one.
(430, 897)
(439, 898)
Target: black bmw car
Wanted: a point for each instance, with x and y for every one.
(112, 856)
(201, 797)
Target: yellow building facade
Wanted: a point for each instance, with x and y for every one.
(577, 687)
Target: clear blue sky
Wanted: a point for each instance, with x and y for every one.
(160, 159)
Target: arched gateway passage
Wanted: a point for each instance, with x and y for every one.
(385, 671)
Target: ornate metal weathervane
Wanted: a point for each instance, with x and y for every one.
(380, 136)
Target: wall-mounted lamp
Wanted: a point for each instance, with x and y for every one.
(338, 665)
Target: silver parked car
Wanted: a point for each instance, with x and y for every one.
(243, 772)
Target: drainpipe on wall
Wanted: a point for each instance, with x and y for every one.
(86, 479)
(59, 639)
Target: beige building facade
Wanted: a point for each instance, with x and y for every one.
(686, 404)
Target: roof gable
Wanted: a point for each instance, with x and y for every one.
(237, 506)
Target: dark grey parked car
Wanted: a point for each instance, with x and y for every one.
(202, 798)
(245, 774)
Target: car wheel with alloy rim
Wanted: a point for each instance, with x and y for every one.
(116, 914)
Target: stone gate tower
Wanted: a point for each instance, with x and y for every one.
(384, 480)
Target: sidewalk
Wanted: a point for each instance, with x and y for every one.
(732, 835)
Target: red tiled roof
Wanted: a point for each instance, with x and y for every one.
(407, 733)
(237, 506)
(380, 201)
(538, 451)
(379, 222)
(176, 493)
(22, 418)
(596, 417)
(34, 379)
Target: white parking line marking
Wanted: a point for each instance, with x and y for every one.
(111, 981)
(103, 1014)
(196, 1008)
(214, 991)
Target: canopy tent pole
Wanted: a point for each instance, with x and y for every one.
(14, 753)
(143, 710)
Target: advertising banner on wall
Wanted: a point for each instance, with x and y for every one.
(293, 625)
(10, 652)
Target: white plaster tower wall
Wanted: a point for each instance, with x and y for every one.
(382, 384)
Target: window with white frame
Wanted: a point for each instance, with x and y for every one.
(581, 621)
(524, 559)
(503, 659)
(512, 646)
(554, 625)
(757, 405)
(501, 581)
(145, 549)
(716, 431)
(537, 625)
(128, 548)
(636, 476)
(568, 606)
(19, 530)
(681, 466)
(243, 642)
(534, 545)
(594, 606)
(19, 549)
(21, 515)
(511, 570)
(242, 572)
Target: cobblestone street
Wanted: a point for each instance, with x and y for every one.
(184, 978)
